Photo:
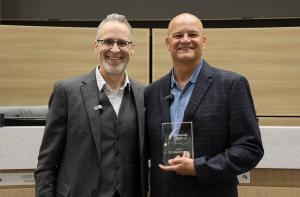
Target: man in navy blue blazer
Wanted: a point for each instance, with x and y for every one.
(226, 135)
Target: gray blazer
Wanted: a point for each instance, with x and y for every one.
(70, 155)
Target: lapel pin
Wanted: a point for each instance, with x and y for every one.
(98, 107)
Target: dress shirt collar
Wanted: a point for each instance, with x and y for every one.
(192, 79)
(101, 81)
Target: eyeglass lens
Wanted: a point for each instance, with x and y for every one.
(111, 42)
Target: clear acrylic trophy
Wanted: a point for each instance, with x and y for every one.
(177, 139)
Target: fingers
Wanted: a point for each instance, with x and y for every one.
(181, 165)
(179, 160)
(186, 154)
(176, 161)
(174, 164)
(167, 168)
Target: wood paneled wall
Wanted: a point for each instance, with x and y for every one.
(17, 192)
(268, 57)
(244, 191)
(33, 58)
(256, 191)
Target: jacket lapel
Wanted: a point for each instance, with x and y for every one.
(203, 83)
(164, 92)
(138, 94)
(90, 96)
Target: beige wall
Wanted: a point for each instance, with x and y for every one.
(268, 57)
(33, 58)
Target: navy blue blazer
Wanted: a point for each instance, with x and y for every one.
(227, 139)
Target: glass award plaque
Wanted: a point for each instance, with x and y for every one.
(177, 139)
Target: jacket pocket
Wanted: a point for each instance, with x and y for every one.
(62, 189)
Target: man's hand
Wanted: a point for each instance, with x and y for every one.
(181, 165)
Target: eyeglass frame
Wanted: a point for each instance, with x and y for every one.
(128, 43)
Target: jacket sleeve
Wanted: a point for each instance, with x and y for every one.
(52, 145)
(245, 148)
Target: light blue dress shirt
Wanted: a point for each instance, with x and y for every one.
(182, 97)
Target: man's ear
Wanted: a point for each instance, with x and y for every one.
(204, 42)
(167, 43)
(96, 46)
(131, 49)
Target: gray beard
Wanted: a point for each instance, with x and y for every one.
(114, 69)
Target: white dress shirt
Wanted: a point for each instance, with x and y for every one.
(115, 96)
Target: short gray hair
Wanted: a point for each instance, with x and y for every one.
(114, 18)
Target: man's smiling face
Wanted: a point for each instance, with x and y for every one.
(113, 60)
(185, 39)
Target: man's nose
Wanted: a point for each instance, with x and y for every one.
(115, 48)
(185, 38)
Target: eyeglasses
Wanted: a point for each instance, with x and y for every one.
(110, 43)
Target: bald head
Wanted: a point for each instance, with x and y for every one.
(185, 41)
(185, 18)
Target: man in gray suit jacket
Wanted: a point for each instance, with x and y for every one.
(219, 104)
(93, 144)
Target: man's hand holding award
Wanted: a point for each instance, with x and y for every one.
(178, 151)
